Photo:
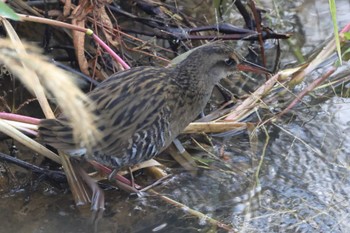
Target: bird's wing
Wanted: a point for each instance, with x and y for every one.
(126, 103)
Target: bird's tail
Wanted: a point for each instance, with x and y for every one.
(57, 133)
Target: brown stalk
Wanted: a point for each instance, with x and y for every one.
(259, 30)
(214, 127)
(75, 28)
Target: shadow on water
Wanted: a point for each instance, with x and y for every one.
(304, 183)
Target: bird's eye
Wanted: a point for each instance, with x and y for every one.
(230, 62)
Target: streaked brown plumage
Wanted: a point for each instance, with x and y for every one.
(142, 110)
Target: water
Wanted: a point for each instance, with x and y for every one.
(305, 177)
(303, 183)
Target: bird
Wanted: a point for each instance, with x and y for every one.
(140, 111)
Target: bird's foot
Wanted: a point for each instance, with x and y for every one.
(111, 175)
(120, 184)
(95, 218)
(126, 187)
(97, 198)
(132, 178)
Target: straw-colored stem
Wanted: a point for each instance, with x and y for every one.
(194, 212)
(249, 103)
(37, 87)
(27, 141)
(214, 127)
(81, 196)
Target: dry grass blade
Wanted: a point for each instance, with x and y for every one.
(214, 127)
(25, 140)
(80, 194)
(33, 70)
(321, 57)
(33, 83)
(39, 76)
(193, 212)
(23, 127)
(71, 100)
(79, 40)
(251, 101)
(327, 51)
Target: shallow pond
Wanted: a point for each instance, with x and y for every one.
(303, 181)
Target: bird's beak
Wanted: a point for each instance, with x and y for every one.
(247, 66)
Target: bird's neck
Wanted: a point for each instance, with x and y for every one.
(193, 82)
(194, 89)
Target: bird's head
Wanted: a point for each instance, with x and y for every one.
(217, 60)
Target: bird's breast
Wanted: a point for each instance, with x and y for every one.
(186, 107)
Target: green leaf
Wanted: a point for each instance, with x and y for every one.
(216, 4)
(7, 12)
(346, 35)
(333, 10)
(345, 55)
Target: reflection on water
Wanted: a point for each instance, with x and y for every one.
(304, 183)
(305, 180)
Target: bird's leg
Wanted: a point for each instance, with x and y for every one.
(112, 174)
(132, 179)
(121, 181)
(129, 188)
(95, 219)
(97, 199)
(126, 187)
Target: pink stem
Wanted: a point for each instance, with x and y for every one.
(29, 131)
(20, 118)
(111, 52)
(108, 170)
(346, 28)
